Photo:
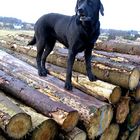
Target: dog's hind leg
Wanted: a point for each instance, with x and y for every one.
(40, 50)
(88, 53)
(48, 48)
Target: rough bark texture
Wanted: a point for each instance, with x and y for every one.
(75, 134)
(122, 74)
(101, 90)
(134, 117)
(111, 133)
(96, 115)
(13, 121)
(135, 135)
(122, 109)
(64, 115)
(42, 127)
(121, 47)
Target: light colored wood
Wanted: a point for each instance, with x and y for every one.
(13, 121)
(117, 73)
(135, 135)
(101, 90)
(122, 109)
(75, 134)
(134, 117)
(65, 116)
(111, 133)
(96, 115)
(42, 127)
(118, 46)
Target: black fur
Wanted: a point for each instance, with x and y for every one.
(78, 33)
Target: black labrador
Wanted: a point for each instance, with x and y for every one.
(78, 33)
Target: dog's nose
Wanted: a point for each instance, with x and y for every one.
(81, 12)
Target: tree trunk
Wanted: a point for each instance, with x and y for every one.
(136, 93)
(121, 47)
(121, 74)
(64, 115)
(99, 89)
(134, 117)
(75, 134)
(111, 133)
(13, 121)
(124, 75)
(42, 127)
(122, 109)
(90, 109)
(135, 135)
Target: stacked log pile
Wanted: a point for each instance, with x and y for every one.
(108, 108)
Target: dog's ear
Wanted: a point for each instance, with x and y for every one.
(101, 9)
(76, 7)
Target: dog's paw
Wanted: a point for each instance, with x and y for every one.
(43, 72)
(68, 86)
(92, 77)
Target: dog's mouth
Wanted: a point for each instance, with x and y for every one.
(83, 17)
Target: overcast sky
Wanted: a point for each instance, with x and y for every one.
(119, 14)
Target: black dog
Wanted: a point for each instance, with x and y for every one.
(78, 33)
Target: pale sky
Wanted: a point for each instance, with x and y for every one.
(119, 14)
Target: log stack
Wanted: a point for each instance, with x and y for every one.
(118, 88)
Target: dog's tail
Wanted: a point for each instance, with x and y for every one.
(32, 42)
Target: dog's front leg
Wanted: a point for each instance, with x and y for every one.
(88, 53)
(70, 62)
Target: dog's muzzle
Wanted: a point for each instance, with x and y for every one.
(82, 15)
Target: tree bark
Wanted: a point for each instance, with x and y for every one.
(134, 117)
(121, 74)
(122, 109)
(121, 47)
(99, 89)
(75, 134)
(135, 135)
(13, 121)
(42, 127)
(124, 75)
(64, 115)
(111, 133)
(91, 110)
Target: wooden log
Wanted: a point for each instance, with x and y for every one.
(119, 57)
(99, 89)
(121, 47)
(122, 109)
(111, 133)
(75, 134)
(42, 127)
(91, 110)
(13, 121)
(64, 115)
(135, 135)
(136, 93)
(124, 75)
(134, 117)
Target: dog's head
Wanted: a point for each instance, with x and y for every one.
(88, 10)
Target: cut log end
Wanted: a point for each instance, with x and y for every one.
(99, 122)
(134, 79)
(19, 125)
(76, 134)
(71, 121)
(46, 131)
(116, 95)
